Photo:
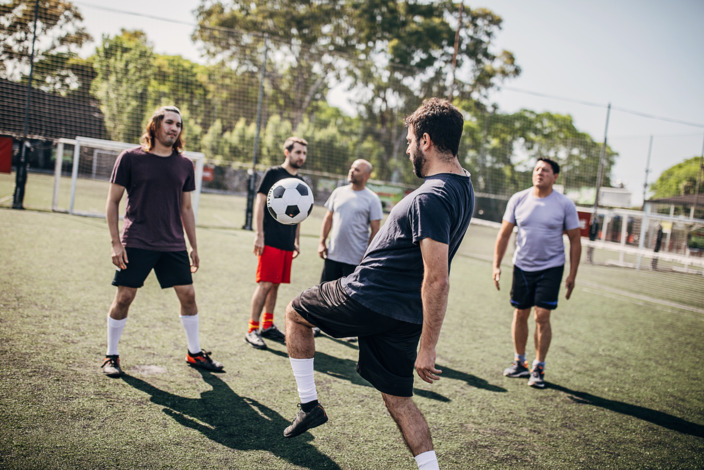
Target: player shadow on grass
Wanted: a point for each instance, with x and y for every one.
(646, 414)
(235, 421)
(346, 369)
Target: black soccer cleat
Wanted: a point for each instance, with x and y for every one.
(305, 421)
(202, 360)
(517, 370)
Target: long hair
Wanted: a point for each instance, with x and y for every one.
(149, 136)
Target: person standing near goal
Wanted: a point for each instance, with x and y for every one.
(276, 245)
(541, 215)
(397, 296)
(158, 180)
(352, 220)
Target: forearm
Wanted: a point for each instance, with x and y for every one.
(189, 225)
(113, 219)
(575, 256)
(434, 294)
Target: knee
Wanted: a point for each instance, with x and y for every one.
(292, 315)
(542, 316)
(123, 299)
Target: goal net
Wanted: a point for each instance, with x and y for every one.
(91, 167)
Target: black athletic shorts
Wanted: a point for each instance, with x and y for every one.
(540, 288)
(172, 268)
(387, 347)
(334, 270)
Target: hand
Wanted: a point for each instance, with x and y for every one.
(195, 261)
(497, 277)
(569, 285)
(425, 366)
(322, 250)
(258, 244)
(119, 256)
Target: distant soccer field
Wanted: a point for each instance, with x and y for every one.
(624, 371)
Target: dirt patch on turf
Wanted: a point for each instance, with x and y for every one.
(148, 370)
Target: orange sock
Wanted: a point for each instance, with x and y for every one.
(253, 325)
(268, 321)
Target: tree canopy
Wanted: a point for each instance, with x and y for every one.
(679, 180)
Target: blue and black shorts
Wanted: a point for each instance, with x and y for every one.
(536, 288)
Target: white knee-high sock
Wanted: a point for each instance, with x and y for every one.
(303, 372)
(191, 326)
(115, 328)
(427, 461)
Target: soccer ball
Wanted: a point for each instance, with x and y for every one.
(290, 201)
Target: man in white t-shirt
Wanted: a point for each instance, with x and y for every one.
(541, 215)
(353, 219)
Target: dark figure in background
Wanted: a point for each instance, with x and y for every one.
(658, 244)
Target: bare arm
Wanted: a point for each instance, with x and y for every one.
(375, 225)
(296, 243)
(575, 256)
(502, 240)
(434, 291)
(324, 232)
(259, 204)
(112, 210)
(188, 218)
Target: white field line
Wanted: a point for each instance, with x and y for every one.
(600, 289)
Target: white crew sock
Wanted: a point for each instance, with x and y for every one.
(115, 328)
(190, 325)
(427, 461)
(303, 372)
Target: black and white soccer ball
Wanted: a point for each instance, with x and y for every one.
(290, 201)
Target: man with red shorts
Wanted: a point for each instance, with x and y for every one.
(276, 245)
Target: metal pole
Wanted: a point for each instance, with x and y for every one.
(602, 157)
(21, 175)
(647, 171)
(699, 180)
(253, 175)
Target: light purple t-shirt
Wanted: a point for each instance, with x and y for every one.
(540, 222)
(352, 212)
(155, 187)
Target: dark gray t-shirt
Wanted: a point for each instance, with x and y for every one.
(155, 187)
(389, 278)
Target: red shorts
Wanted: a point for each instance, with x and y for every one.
(274, 266)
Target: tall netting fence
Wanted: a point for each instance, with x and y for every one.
(247, 92)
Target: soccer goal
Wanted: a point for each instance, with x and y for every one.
(93, 161)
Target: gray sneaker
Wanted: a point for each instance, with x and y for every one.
(537, 376)
(255, 339)
(517, 370)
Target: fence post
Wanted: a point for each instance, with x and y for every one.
(253, 175)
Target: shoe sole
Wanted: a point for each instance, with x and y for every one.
(204, 367)
(536, 385)
(255, 346)
(113, 375)
(518, 376)
(298, 431)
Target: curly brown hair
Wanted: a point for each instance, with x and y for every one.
(441, 120)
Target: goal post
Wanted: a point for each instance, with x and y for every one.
(93, 161)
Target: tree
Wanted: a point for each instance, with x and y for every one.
(679, 180)
(59, 35)
(124, 67)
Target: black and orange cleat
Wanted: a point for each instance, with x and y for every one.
(202, 360)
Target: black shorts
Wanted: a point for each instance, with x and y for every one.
(334, 270)
(540, 288)
(172, 268)
(387, 347)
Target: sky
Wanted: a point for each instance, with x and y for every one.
(644, 57)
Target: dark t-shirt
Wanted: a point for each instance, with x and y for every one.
(155, 187)
(389, 278)
(276, 234)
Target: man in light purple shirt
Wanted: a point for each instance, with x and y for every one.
(541, 215)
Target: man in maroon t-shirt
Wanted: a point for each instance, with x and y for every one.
(158, 181)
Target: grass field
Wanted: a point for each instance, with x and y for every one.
(625, 382)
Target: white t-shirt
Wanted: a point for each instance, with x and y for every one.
(540, 222)
(352, 212)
